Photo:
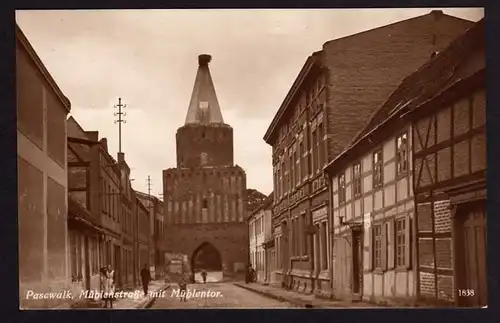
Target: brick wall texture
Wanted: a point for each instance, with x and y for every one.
(205, 196)
(363, 70)
(436, 253)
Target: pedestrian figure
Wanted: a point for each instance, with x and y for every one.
(108, 279)
(249, 275)
(204, 276)
(182, 288)
(145, 279)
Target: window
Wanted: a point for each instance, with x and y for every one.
(305, 166)
(356, 177)
(342, 195)
(297, 166)
(400, 242)
(313, 155)
(291, 177)
(283, 177)
(304, 234)
(319, 150)
(324, 249)
(203, 159)
(378, 175)
(295, 230)
(402, 154)
(205, 204)
(109, 197)
(377, 247)
(103, 195)
(300, 173)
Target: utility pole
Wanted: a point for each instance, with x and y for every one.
(120, 120)
(152, 219)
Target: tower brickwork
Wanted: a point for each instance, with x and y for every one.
(205, 193)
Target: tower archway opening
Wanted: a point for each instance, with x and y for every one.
(207, 257)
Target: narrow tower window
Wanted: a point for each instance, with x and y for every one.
(204, 159)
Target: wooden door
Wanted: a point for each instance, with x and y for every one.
(342, 267)
(357, 263)
(471, 255)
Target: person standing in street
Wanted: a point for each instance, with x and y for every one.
(145, 278)
(250, 275)
(204, 276)
(109, 286)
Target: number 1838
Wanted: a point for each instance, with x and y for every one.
(466, 292)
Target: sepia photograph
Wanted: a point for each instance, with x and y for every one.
(270, 158)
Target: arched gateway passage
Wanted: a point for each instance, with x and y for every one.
(207, 257)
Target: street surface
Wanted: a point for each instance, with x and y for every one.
(231, 296)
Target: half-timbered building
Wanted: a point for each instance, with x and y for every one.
(449, 154)
(372, 209)
(393, 190)
(336, 92)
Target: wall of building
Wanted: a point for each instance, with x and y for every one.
(386, 212)
(42, 185)
(230, 239)
(204, 145)
(376, 61)
(456, 162)
(204, 195)
(258, 225)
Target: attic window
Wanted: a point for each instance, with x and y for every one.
(434, 54)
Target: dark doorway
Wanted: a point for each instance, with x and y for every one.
(207, 257)
(470, 252)
(357, 265)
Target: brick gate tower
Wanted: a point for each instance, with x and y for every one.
(204, 195)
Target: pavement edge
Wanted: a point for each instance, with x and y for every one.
(276, 297)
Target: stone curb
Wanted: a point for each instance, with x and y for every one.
(276, 297)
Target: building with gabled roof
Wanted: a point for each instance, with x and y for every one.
(394, 236)
(336, 93)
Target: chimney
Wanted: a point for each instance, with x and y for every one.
(204, 59)
(92, 135)
(121, 157)
(104, 143)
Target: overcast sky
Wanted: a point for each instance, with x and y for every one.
(150, 57)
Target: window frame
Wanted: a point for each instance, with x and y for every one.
(378, 180)
(341, 188)
(357, 180)
(399, 150)
(377, 247)
(400, 242)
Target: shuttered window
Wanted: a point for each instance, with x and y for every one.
(377, 247)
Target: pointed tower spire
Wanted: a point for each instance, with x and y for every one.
(204, 106)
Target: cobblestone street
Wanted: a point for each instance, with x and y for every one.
(231, 297)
